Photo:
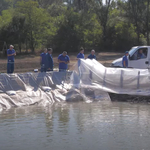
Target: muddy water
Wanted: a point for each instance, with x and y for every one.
(76, 126)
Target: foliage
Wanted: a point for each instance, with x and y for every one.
(68, 25)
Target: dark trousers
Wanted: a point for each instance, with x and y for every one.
(62, 70)
(43, 68)
(10, 67)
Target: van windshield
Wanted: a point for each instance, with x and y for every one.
(132, 50)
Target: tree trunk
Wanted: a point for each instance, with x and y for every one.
(19, 44)
(147, 24)
(138, 34)
(26, 47)
(32, 43)
(79, 4)
(19, 47)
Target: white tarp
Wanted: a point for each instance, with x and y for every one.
(129, 81)
(25, 89)
(89, 82)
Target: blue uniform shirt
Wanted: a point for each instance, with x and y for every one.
(43, 56)
(63, 58)
(80, 55)
(92, 56)
(49, 61)
(126, 61)
(10, 58)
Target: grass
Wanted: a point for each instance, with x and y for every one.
(27, 63)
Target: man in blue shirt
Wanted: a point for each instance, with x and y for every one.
(63, 60)
(92, 55)
(49, 60)
(10, 56)
(125, 60)
(80, 56)
(43, 60)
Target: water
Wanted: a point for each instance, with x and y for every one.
(76, 126)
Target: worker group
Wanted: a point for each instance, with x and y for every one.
(46, 59)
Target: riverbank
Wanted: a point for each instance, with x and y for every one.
(27, 63)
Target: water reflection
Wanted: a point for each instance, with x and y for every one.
(75, 126)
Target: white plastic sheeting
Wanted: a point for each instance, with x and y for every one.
(89, 82)
(25, 89)
(91, 74)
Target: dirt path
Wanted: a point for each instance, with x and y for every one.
(28, 63)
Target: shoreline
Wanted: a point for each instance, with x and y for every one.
(27, 63)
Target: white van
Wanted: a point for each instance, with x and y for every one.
(133, 60)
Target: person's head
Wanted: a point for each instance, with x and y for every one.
(81, 50)
(93, 52)
(64, 53)
(11, 47)
(141, 51)
(126, 53)
(45, 50)
(50, 50)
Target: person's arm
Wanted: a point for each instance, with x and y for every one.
(11, 54)
(14, 53)
(78, 57)
(50, 63)
(61, 61)
(68, 61)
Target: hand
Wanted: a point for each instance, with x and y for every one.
(62, 62)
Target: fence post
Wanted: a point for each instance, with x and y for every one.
(138, 80)
(121, 79)
(104, 78)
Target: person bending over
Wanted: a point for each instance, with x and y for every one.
(63, 60)
(92, 55)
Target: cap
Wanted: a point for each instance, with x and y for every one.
(126, 52)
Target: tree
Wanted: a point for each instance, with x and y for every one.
(3, 6)
(135, 9)
(101, 9)
(37, 20)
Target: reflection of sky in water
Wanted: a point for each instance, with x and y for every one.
(76, 126)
